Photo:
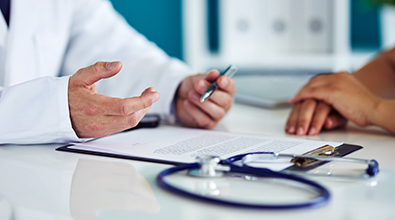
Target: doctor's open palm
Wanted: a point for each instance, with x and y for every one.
(94, 115)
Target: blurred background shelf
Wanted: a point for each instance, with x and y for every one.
(172, 24)
(265, 37)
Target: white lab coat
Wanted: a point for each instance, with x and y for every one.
(51, 38)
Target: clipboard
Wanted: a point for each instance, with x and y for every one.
(341, 151)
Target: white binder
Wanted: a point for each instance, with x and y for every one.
(241, 28)
(297, 26)
(318, 26)
(279, 26)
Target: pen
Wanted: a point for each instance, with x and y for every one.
(230, 71)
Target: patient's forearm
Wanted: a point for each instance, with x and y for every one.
(379, 75)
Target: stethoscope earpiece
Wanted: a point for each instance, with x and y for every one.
(373, 168)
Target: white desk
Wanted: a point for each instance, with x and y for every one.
(37, 182)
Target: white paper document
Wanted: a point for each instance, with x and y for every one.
(182, 145)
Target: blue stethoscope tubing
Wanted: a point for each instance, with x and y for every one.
(322, 198)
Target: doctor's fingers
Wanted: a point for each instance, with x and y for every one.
(211, 76)
(201, 119)
(224, 83)
(127, 106)
(210, 108)
(222, 99)
(100, 70)
(123, 122)
(104, 125)
(227, 84)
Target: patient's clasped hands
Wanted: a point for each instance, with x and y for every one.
(326, 101)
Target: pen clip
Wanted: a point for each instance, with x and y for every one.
(231, 72)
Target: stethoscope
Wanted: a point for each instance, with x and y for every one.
(213, 166)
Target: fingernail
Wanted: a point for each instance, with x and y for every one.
(155, 98)
(112, 65)
(329, 123)
(312, 131)
(300, 131)
(194, 96)
(211, 72)
(201, 87)
(224, 82)
(187, 104)
(291, 129)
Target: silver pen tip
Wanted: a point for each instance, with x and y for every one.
(205, 96)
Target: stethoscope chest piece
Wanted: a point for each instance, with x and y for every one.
(209, 167)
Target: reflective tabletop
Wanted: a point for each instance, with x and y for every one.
(40, 183)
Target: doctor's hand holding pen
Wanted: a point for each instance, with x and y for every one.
(366, 97)
(94, 115)
(192, 112)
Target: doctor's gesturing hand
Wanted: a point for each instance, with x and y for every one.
(94, 115)
(191, 112)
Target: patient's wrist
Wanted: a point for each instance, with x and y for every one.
(384, 115)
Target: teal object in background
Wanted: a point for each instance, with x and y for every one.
(158, 20)
(365, 26)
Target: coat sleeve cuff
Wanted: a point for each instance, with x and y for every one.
(65, 125)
